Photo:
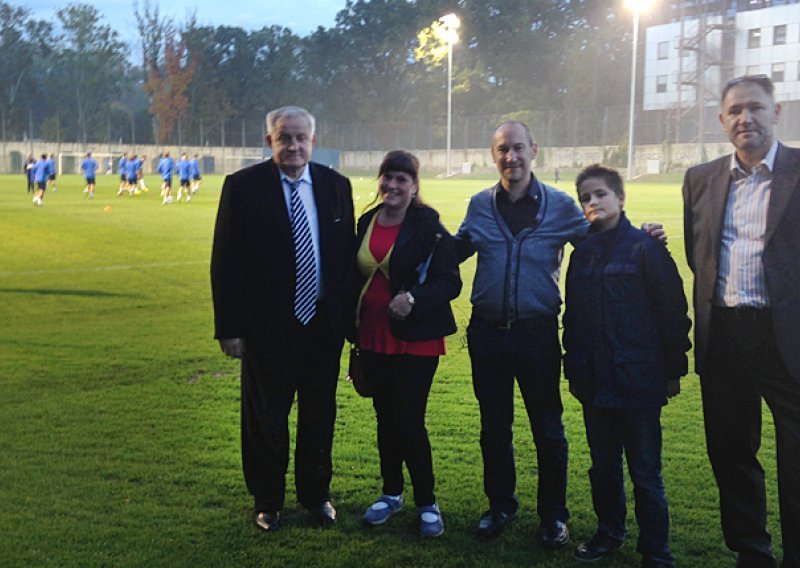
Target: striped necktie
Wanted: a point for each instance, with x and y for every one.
(305, 288)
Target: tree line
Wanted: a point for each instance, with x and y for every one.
(75, 79)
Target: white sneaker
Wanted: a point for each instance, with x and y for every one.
(39, 202)
(91, 196)
(85, 190)
(167, 200)
(188, 198)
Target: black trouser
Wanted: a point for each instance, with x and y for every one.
(529, 352)
(269, 385)
(743, 366)
(402, 384)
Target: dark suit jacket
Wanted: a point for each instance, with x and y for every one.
(705, 191)
(420, 234)
(252, 263)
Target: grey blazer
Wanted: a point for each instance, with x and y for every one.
(705, 191)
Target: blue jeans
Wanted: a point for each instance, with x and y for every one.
(609, 431)
(530, 353)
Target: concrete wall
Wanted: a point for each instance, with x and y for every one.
(647, 159)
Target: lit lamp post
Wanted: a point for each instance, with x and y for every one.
(637, 6)
(450, 24)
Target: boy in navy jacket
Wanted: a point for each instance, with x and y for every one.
(626, 337)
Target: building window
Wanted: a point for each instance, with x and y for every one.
(754, 38)
(661, 84)
(753, 70)
(663, 49)
(779, 35)
(778, 72)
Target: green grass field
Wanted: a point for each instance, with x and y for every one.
(119, 437)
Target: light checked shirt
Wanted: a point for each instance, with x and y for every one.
(741, 279)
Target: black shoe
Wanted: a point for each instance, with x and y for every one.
(268, 521)
(597, 548)
(323, 515)
(553, 536)
(493, 523)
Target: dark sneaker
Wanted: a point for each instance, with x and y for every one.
(493, 523)
(597, 548)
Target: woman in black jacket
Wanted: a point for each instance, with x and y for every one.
(405, 274)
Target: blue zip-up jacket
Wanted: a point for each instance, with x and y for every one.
(517, 276)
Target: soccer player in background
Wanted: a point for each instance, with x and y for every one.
(196, 177)
(140, 175)
(166, 167)
(51, 172)
(185, 175)
(131, 175)
(121, 166)
(40, 174)
(89, 167)
(30, 162)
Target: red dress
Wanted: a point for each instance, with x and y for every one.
(374, 332)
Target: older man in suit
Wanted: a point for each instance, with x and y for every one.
(283, 239)
(742, 243)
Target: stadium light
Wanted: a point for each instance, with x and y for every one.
(450, 24)
(637, 6)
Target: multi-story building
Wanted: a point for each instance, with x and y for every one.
(697, 45)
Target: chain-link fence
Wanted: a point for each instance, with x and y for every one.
(237, 142)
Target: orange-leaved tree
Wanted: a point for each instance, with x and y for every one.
(168, 78)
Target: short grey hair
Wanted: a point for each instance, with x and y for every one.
(524, 126)
(274, 116)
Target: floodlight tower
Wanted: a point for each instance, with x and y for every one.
(450, 24)
(637, 7)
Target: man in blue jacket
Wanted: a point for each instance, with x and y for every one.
(518, 228)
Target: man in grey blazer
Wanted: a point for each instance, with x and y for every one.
(742, 236)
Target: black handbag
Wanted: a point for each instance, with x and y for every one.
(357, 375)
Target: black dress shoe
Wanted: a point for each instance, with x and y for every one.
(553, 535)
(598, 547)
(493, 523)
(323, 515)
(268, 521)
